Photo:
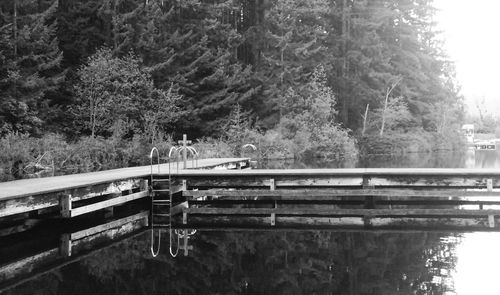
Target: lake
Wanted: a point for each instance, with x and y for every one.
(296, 262)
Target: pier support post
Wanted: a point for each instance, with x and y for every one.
(65, 205)
(272, 184)
(491, 221)
(66, 245)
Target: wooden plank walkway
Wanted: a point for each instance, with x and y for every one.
(36, 186)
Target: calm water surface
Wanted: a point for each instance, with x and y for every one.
(297, 262)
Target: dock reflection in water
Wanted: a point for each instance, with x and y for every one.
(264, 262)
(50, 245)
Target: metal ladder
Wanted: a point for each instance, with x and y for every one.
(156, 204)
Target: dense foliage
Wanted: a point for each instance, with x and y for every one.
(309, 75)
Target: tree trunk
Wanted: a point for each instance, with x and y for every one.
(14, 28)
(383, 112)
(345, 63)
(365, 117)
(15, 43)
(389, 90)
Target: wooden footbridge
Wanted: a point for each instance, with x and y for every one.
(223, 194)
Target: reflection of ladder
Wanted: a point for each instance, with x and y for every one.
(161, 207)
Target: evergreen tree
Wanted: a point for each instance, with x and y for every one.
(29, 64)
(185, 43)
(293, 46)
(83, 27)
(377, 42)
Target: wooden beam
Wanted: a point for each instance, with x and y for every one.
(337, 201)
(343, 223)
(24, 265)
(335, 180)
(110, 230)
(244, 181)
(114, 187)
(284, 194)
(17, 228)
(177, 209)
(104, 227)
(432, 181)
(341, 212)
(108, 203)
(26, 204)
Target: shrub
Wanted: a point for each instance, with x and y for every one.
(417, 140)
(23, 154)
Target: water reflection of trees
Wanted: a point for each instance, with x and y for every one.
(311, 262)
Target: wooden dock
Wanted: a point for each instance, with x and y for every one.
(106, 188)
(73, 215)
(287, 192)
(221, 194)
(37, 186)
(349, 199)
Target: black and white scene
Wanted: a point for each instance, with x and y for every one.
(336, 147)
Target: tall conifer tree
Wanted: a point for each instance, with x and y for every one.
(30, 64)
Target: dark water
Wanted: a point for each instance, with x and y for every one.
(297, 262)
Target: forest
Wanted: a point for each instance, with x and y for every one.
(96, 83)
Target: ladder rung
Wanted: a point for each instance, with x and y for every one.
(160, 190)
(161, 201)
(161, 180)
(161, 224)
(161, 214)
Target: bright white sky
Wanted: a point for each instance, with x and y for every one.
(471, 30)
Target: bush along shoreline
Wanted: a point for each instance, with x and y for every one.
(415, 142)
(25, 156)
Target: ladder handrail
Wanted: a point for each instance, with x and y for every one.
(151, 154)
(171, 200)
(157, 159)
(173, 152)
